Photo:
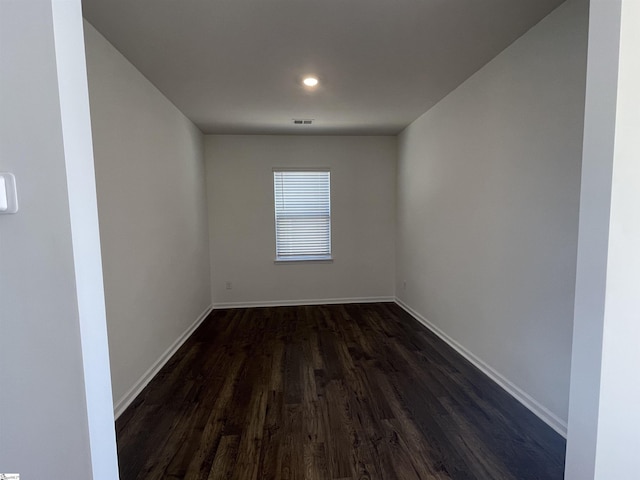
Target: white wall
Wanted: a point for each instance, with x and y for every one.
(56, 414)
(619, 419)
(604, 420)
(593, 241)
(488, 194)
(152, 209)
(241, 218)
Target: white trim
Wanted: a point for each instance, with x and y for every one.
(516, 392)
(293, 303)
(121, 405)
(301, 169)
(303, 259)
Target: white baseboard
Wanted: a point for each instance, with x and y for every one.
(126, 400)
(293, 303)
(516, 392)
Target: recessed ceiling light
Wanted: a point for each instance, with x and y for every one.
(310, 81)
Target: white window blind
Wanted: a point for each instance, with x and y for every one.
(303, 214)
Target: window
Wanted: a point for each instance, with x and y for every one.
(303, 214)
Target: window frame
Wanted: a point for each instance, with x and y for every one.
(296, 259)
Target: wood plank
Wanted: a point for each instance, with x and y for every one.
(328, 392)
(225, 460)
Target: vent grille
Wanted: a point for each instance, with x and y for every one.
(302, 121)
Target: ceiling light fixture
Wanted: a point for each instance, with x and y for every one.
(310, 81)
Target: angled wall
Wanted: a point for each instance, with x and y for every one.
(153, 220)
(488, 197)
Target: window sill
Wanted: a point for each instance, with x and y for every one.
(309, 259)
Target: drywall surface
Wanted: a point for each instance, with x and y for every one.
(152, 210)
(55, 398)
(619, 419)
(488, 196)
(593, 241)
(604, 419)
(83, 209)
(241, 218)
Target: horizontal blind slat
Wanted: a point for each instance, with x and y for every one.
(303, 209)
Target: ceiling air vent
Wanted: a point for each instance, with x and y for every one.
(301, 121)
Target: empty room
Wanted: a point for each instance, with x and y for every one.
(319, 239)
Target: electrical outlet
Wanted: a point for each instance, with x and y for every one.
(404, 285)
(228, 285)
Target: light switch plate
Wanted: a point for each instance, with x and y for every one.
(4, 204)
(8, 194)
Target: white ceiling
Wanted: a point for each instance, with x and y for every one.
(234, 66)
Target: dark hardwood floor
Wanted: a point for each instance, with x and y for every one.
(328, 392)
